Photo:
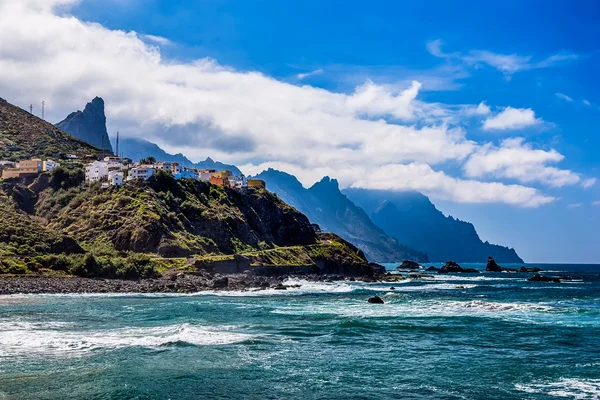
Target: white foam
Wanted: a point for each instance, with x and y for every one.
(27, 339)
(580, 389)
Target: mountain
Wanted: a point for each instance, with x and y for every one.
(326, 206)
(136, 149)
(23, 135)
(411, 218)
(89, 125)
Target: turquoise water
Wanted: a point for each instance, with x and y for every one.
(497, 336)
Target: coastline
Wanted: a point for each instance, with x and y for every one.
(180, 283)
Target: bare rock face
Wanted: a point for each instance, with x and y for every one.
(376, 300)
(492, 266)
(89, 125)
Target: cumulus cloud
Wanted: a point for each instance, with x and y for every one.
(375, 136)
(157, 39)
(574, 205)
(517, 160)
(512, 118)
(505, 63)
(480, 109)
(596, 203)
(588, 183)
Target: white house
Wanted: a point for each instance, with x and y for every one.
(115, 178)
(164, 166)
(96, 171)
(49, 165)
(140, 173)
(238, 181)
(100, 169)
(205, 174)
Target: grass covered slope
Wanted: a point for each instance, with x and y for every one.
(145, 227)
(23, 135)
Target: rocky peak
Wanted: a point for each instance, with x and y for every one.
(89, 125)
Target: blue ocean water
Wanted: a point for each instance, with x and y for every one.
(487, 336)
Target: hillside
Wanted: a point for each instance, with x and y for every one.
(89, 125)
(326, 206)
(23, 135)
(413, 219)
(164, 220)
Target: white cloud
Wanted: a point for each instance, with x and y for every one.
(574, 205)
(308, 74)
(564, 97)
(512, 118)
(588, 183)
(596, 203)
(377, 135)
(480, 109)
(514, 159)
(157, 39)
(586, 103)
(505, 63)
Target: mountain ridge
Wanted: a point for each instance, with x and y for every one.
(413, 219)
(89, 125)
(325, 205)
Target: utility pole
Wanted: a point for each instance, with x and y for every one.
(43, 104)
(117, 152)
(31, 109)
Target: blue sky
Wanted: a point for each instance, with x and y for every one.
(531, 66)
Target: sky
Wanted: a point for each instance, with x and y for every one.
(490, 108)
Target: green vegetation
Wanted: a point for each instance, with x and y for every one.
(24, 136)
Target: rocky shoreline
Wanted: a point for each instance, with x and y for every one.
(174, 283)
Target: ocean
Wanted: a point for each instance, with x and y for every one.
(486, 336)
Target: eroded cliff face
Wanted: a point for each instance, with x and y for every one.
(89, 125)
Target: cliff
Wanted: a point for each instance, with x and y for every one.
(326, 206)
(89, 125)
(413, 219)
(23, 136)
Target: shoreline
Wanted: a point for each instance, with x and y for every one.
(179, 283)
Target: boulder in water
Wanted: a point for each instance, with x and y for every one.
(452, 267)
(492, 266)
(377, 268)
(376, 300)
(534, 269)
(432, 268)
(408, 264)
(542, 278)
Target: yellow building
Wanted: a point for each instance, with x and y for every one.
(257, 184)
(222, 174)
(33, 166)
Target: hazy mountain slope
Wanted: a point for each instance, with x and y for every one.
(326, 206)
(411, 218)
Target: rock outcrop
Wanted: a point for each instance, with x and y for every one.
(376, 300)
(408, 264)
(542, 278)
(452, 267)
(89, 125)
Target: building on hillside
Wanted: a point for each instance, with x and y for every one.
(187, 174)
(220, 181)
(115, 178)
(257, 184)
(206, 174)
(99, 170)
(175, 168)
(113, 159)
(164, 166)
(95, 171)
(70, 156)
(222, 174)
(6, 165)
(33, 166)
(49, 165)
(238, 182)
(141, 172)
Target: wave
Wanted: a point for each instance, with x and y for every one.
(32, 339)
(573, 388)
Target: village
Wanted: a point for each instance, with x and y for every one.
(115, 171)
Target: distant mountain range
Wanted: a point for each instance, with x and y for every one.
(411, 218)
(88, 125)
(326, 206)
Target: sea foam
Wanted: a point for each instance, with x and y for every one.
(573, 388)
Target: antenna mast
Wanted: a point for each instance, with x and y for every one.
(117, 144)
(31, 109)
(43, 104)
